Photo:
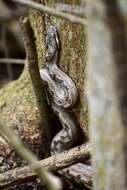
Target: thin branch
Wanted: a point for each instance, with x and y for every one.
(52, 11)
(12, 61)
(51, 181)
(53, 163)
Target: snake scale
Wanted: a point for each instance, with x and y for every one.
(61, 95)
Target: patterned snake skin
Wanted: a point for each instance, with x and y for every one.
(61, 95)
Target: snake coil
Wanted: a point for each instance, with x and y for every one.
(61, 95)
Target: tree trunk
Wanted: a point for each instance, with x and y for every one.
(73, 53)
(23, 105)
(107, 78)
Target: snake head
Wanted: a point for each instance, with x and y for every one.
(52, 43)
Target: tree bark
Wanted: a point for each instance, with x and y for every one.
(73, 55)
(107, 80)
(53, 163)
(23, 104)
(23, 108)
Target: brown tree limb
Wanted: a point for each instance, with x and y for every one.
(53, 163)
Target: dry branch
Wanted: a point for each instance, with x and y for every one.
(53, 163)
(52, 182)
(52, 11)
(12, 61)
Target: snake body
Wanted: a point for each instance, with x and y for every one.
(61, 88)
(61, 95)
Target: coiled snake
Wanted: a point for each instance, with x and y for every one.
(61, 95)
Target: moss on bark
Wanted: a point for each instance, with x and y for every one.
(19, 108)
(73, 55)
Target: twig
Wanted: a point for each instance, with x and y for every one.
(53, 163)
(12, 61)
(52, 11)
(51, 181)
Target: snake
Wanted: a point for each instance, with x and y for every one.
(62, 95)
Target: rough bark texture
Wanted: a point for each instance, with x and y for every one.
(23, 108)
(20, 106)
(73, 51)
(53, 163)
(108, 94)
